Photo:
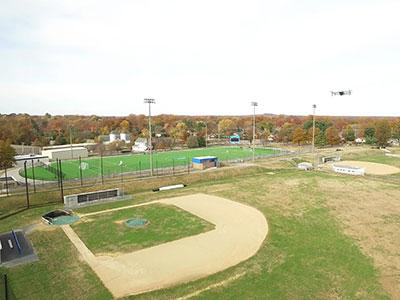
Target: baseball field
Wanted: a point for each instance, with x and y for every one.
(330, 236)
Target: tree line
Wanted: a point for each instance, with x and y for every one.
(192, 130)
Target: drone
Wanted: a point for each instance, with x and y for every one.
(341, 93)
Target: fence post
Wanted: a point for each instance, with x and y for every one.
(58, 174)
(140, 168)
(5, 287)
(6, 181)
(101, 167)
(33, 176)
(61, 183)
(188, 166)
(80, 170)
(26, 186)
(173, 166)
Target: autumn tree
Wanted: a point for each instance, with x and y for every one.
(7, 154)
(396, 130)
(124, 125)
(298, 136)
(369, 135)
(227, 126)
(383, 132)
(285, 133)
(332, 136)
(192, 142)
(349, 134)
(181, 131)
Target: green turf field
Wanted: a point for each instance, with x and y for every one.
(140, 162)
(166, 223)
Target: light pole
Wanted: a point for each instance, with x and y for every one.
(206, 134)
(70, 142)
(313, 132)
(150, 101)
(254, 104)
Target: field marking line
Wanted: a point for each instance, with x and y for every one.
(212, 286)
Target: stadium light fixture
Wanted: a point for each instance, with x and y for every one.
(150, 101)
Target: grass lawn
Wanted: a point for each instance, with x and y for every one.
(107, 233)
(309, 252)
(137, 162)
(59, 273)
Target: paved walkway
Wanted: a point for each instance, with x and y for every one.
(239, 232)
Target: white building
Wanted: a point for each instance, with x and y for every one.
(114, 137)
(359, 141)
(140, 145)
(305, 166)
(66, 153)
(348, 170)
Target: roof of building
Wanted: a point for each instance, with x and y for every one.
(65, 149)
(348, 167)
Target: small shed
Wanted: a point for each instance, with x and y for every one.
(305, 166)
(204, 162)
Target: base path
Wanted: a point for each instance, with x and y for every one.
(239, 232)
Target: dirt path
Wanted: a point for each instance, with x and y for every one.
(370, 167)
(238, 234)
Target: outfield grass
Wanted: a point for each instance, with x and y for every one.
(140, 162)
(59, 273)
(107, 233)
(306, 254)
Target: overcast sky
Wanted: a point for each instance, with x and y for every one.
(199, 57)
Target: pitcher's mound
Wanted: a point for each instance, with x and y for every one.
(372, 168)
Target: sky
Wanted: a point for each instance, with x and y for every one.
(209, 57)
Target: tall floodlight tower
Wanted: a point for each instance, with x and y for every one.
(314, 107)
(254, 104)
(150, 101)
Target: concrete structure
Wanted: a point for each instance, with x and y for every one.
(26, 150)
(333, 158)
(66, 153)
(37, 159)
(88, 146)
(305, 166)
(204, 162)
(84, 199)
(141, 145)
(351, 170)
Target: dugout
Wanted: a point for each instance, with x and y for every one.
(204, 162)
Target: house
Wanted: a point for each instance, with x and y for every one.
(394, 142)
(141, 145)
(116, 137)
(359, 141)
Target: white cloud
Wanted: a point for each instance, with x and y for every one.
(207, 57)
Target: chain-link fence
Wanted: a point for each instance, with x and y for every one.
(102, 172)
